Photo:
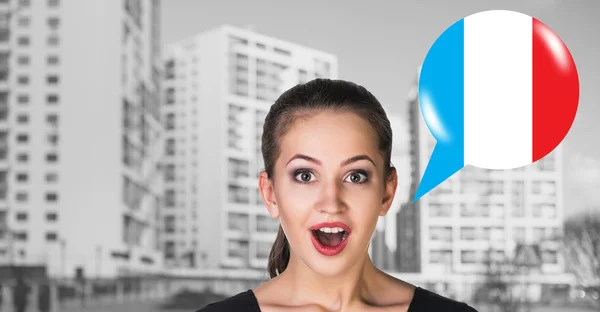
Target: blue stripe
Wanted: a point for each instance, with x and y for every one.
(441, 96)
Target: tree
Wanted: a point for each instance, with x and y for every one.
(581, 245)
(506, 284)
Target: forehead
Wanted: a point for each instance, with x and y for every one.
(330, 135)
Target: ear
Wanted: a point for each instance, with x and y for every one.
(265, 186)
(389, 192)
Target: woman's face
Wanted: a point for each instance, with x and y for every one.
(329, 170)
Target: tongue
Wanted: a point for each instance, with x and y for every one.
(329, 239)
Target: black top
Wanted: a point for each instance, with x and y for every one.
(423, 301)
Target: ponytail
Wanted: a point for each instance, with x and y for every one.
(280, 254)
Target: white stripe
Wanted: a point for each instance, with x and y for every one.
(498, 89)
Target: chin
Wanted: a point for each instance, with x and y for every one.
(329, 267)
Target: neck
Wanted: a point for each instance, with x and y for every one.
(335, 293)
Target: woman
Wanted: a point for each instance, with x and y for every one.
(327, 147)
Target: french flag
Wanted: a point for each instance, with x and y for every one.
(505, 88)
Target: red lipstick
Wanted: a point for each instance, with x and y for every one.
(330, 246)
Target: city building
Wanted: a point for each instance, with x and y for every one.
(383, 247)
(80, 136)
(218, 88)
(478, 214)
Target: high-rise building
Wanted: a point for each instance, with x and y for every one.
(386, 227)
(219, 87)
(477, 214)
(80, 135)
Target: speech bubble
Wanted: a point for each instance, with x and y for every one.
(498, 90)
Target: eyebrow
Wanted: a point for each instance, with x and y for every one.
(343, 163)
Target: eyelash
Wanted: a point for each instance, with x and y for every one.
(301, 171)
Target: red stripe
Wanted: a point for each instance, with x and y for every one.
(555, 90)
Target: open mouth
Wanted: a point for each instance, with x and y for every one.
(330, 239)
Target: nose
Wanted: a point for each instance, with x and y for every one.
(330, 200)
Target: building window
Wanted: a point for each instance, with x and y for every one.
(547, 163)
(544, 210)
(23, 99)
(238, 168)
(170, 147)
(23, 80)
(442, 234)
(170, 224)
(170, 173)
(22, 158)
(52, 79)
(467, 233)
(53, 22)
(51, 237)
(170, 94)
(22, 216)
(51, 217)
(22, 197)
(52, 99)
(170, 198)
(238, 222)
(24, 3)
(440, 210)
(52, 120)
(53, 139)
(23, 60)
(468, 256)
(23, 41)
(51, 177)
(53, 40)
(23, 119)
(263, 249)
(169, 250)
(53, 3)
(239, 194)
(170, 121)
(52, 60)
(23, 21)
(440, 256)
(51, 197)
(22, 138)
(237, 249)
(547, 188)
(22, 177)
(51, 157)
(21, 236)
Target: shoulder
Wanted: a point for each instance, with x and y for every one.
(425, 300)
(243, 302)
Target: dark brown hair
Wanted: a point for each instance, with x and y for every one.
(304, 100)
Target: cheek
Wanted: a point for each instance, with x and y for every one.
(294, 204)
(364, 208)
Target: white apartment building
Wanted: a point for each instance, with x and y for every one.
(219, 86)
(80, 135)
(446, 234)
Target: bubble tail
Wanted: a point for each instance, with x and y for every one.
(444, 162)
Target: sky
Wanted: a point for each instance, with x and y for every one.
(380, 45)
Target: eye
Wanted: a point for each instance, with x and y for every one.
(303, 176)
(357, 177)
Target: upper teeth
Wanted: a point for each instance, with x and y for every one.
(331, 230)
